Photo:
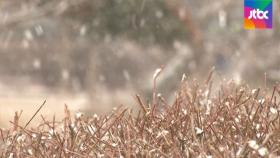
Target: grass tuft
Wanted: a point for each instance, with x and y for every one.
(235, 121)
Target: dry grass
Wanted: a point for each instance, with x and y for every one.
(234, 122)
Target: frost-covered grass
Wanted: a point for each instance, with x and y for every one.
(235, 121)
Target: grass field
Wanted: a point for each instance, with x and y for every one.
(235, 121)
(76, 80)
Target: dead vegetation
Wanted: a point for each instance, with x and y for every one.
(235, 121)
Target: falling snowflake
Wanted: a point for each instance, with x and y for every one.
(253, 144)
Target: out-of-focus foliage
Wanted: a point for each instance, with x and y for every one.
(79, 42)
(88, 43)
(144, 20)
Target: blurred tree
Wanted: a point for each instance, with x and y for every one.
(144, 20)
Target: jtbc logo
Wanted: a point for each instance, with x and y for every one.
(258, 14)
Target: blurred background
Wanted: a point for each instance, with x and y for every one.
(94, 55)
